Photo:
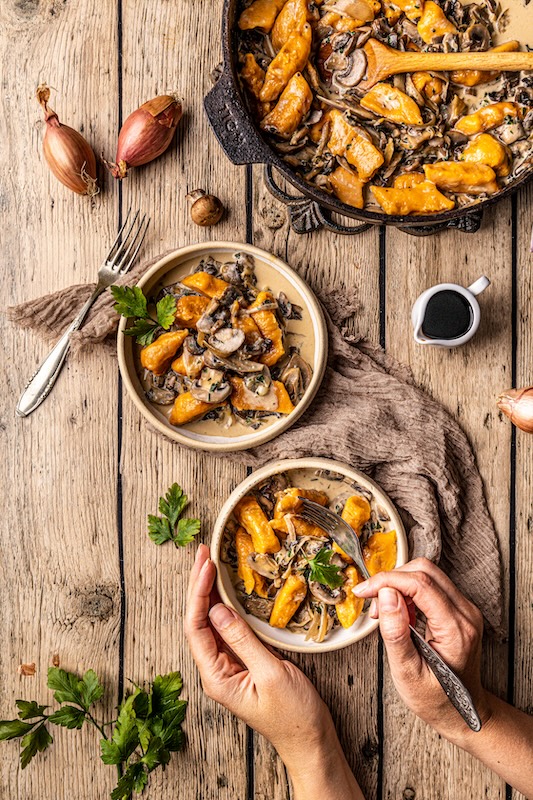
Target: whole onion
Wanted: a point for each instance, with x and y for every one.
(68, 155)
(146, 133)
(517, 404)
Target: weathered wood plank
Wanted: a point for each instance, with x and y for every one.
(59, 590)
(158, 57)
(347, 680)
(523, 681)
(466, 381)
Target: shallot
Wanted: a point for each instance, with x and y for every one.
(146, 133)
(517, 404)
(68, 155)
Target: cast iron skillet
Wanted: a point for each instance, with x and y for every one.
(243, 143)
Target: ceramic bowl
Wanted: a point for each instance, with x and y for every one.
(271, 272)
(285, 639)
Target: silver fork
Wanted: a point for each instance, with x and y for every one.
(347, 539)
(117, 262)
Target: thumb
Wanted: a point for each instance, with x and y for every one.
(240, 637)
(394, 626)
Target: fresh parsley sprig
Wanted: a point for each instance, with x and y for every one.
(146, 732)
(322, 571)
(132, 303)
(171, 526)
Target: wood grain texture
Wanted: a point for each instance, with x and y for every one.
(347, 680)
(523, 677)
(59, 585)
(156, 58)
(466, 381)
(60, 572)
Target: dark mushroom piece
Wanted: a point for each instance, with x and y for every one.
(351, 74)
(264, 564)
(213, 317)
(225, 341)
(476, 38)
(329, 596)
(260, 607)
(210, 386)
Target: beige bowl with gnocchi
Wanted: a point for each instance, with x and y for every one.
(285, 577)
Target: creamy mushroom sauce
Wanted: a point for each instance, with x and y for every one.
(314, 619)
(298, 337)
(405, 148)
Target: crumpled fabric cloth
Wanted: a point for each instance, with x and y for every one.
(370, 414)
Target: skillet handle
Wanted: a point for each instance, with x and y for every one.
(231, 123)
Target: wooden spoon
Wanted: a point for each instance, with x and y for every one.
(383, 61)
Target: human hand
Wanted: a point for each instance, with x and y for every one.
(454, 627)
(238, 671)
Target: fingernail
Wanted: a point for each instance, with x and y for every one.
(221, 616)
(389, 600)
(360, 588)
(198, 553)
(373, 610)
(205, 566)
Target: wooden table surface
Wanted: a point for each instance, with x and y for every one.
(79, 576)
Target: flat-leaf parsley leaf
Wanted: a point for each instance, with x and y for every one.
(170, 527)
(322, 571)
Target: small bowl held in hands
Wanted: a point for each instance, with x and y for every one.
(338, 481)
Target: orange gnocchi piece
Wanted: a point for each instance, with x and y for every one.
(267, 323)
(408, 180)
(424, 198)
(276, 400)
(291, 59)
(292, 17)
(189, 309)
(253, 581)
(158, 356)
(346, 141)
(391, 103)
(260, 14)
(429, 85)
(291, 108)
(462, 177)
(348, 187)
(380, 552)
(288, 501)
(205, 283)
(253, 519)
(288, 600)
(350, 609)
(488, 117)
(356, 513)
(411, 8)
(485, 149)
(434, 22)
(187, 408)
(473, 77)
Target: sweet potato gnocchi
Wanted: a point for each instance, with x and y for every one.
(302, 64)
(228, 357)
(286, 570)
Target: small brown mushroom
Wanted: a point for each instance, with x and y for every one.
(226, 341)
(211, 387)
(329, 596)
(264, 565)
(352, 74)
(206, 209)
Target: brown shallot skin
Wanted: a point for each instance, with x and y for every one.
(146, 133)
(517, 404)
(68, 155)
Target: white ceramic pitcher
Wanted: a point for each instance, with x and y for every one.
(419, 311)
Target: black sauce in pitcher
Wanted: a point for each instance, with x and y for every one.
(448, 315)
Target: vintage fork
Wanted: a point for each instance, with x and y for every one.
(117, 262)
(346, 538)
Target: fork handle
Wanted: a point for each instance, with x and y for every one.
(42, 382)
(455, 690)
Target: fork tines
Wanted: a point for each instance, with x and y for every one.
(125, 247)
(317, 514)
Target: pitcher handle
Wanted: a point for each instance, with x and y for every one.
(480, 285)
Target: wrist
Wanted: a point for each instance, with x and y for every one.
(312, 765)
(460, 734)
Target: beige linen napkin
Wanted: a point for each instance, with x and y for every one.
(369, 414)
